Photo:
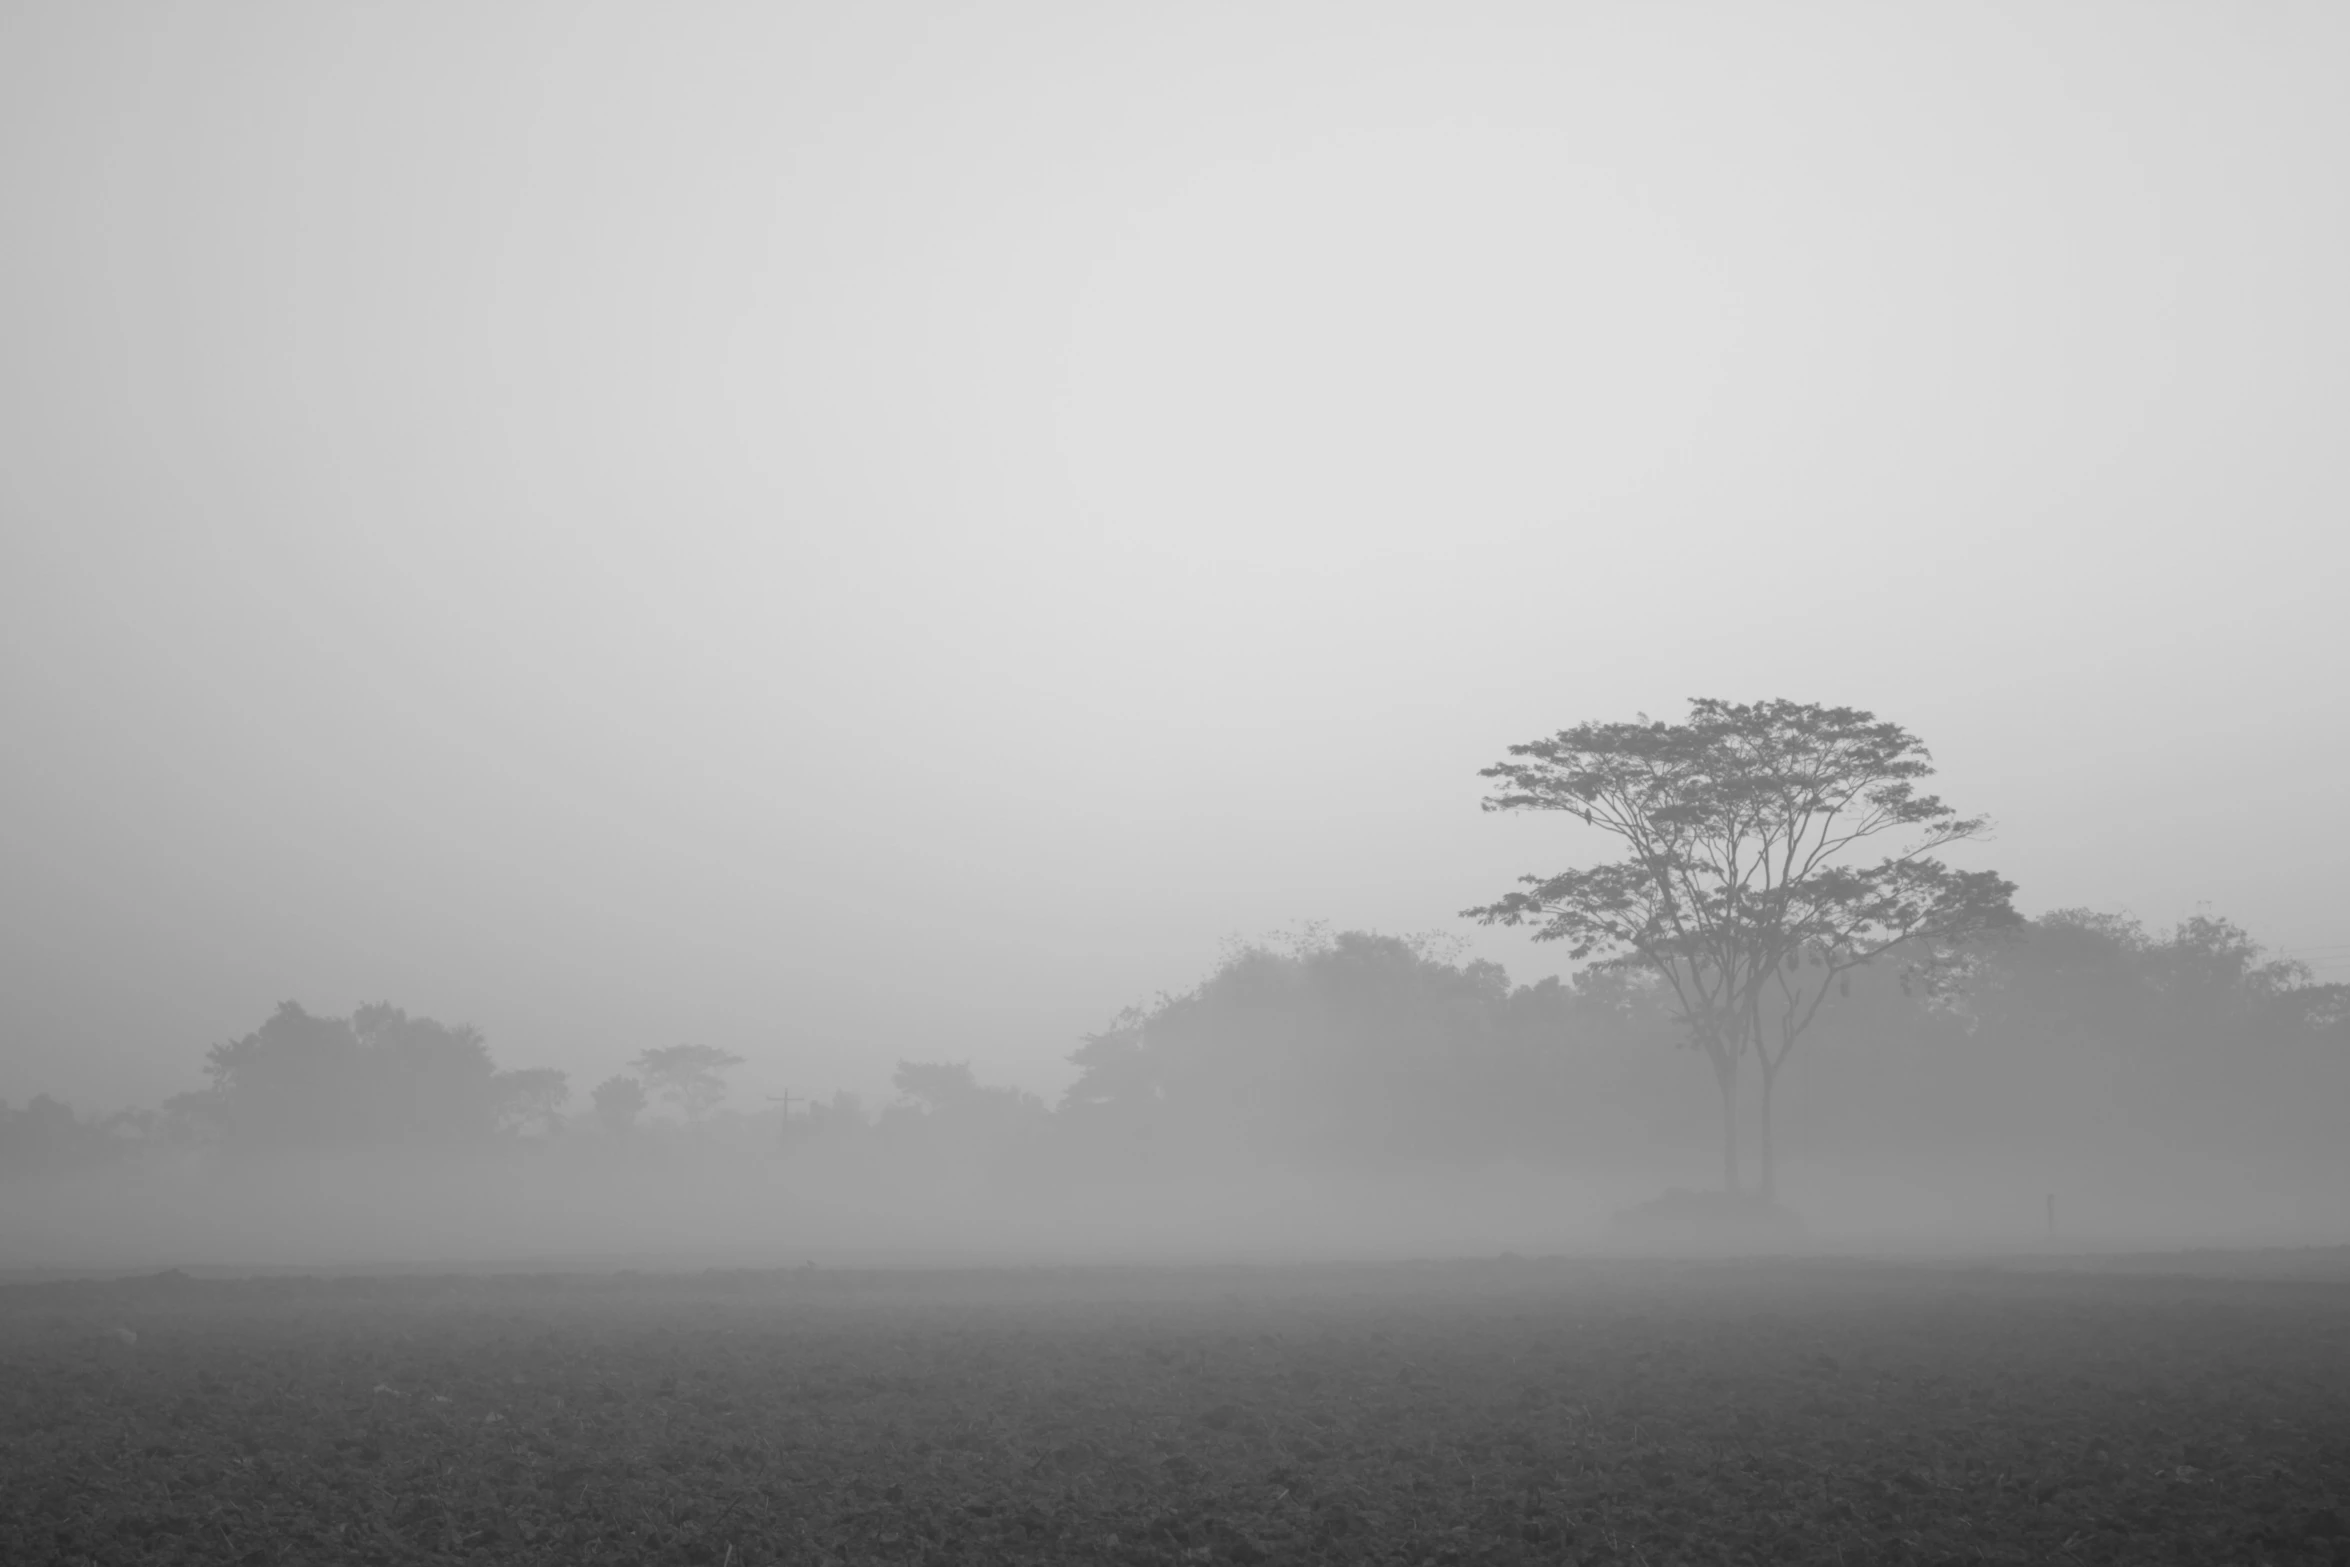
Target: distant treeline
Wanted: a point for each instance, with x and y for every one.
(2079, 1030)
(1360, 1049)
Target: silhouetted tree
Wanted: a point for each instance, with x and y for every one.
(2318, 1009)
(195, 1117)
(293, 1082)
(950, 1091)
(2211, 967)
(426, 1082)
(952, 1126)
(377, 1078)
(692, 1077)
(1115, 1068)
(534, 1095)
(618, 1102)
(1358, 1048)
(2201, 1037)
(936, 1085)
(2084, 1031)
(1738, 891)
(2082, 973)
(47, 1137)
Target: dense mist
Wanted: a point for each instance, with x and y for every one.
(632, 636)
(1342, 1094)
(843, 531)
(899, 780)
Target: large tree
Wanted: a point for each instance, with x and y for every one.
(534, 1094)
(1351, 1049)
(618, 1101)
(692, 1077)
(1748, 887)
(376, 1078)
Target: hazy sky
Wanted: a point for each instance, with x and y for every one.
(848, 531)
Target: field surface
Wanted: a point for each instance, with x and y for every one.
(1570, 1411)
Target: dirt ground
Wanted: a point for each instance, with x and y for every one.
(2168, 1410)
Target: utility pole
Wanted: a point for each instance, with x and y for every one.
(783, 1136)
(2052, 1215)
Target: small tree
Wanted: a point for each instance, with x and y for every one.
(1738, 891)
(936, 1085)
(425, 1082)
(534, 1094)
(294, 1082)
(376, 1078)
(688, 1076)
(618, 1102)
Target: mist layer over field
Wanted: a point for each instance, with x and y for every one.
(2088, 1085)
(569, 1213)
(636, 663)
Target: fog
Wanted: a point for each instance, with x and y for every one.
(849, 536)
(2091, 1088)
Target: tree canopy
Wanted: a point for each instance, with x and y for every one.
(1349, 1049)
(1747, 889)
(2080, 1035)
(619, 1101)
(691, 1077)
(378, 1078)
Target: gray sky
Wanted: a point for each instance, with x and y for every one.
(854, 531)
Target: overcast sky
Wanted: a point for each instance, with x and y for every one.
(857, 531)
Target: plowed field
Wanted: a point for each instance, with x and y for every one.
(1643, 1413)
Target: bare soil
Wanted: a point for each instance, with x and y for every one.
(1509, 1411)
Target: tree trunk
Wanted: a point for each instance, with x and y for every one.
(1770, 1167)
(1726, 1079)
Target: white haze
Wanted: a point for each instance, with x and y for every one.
(745, 1208)
(849, 532)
